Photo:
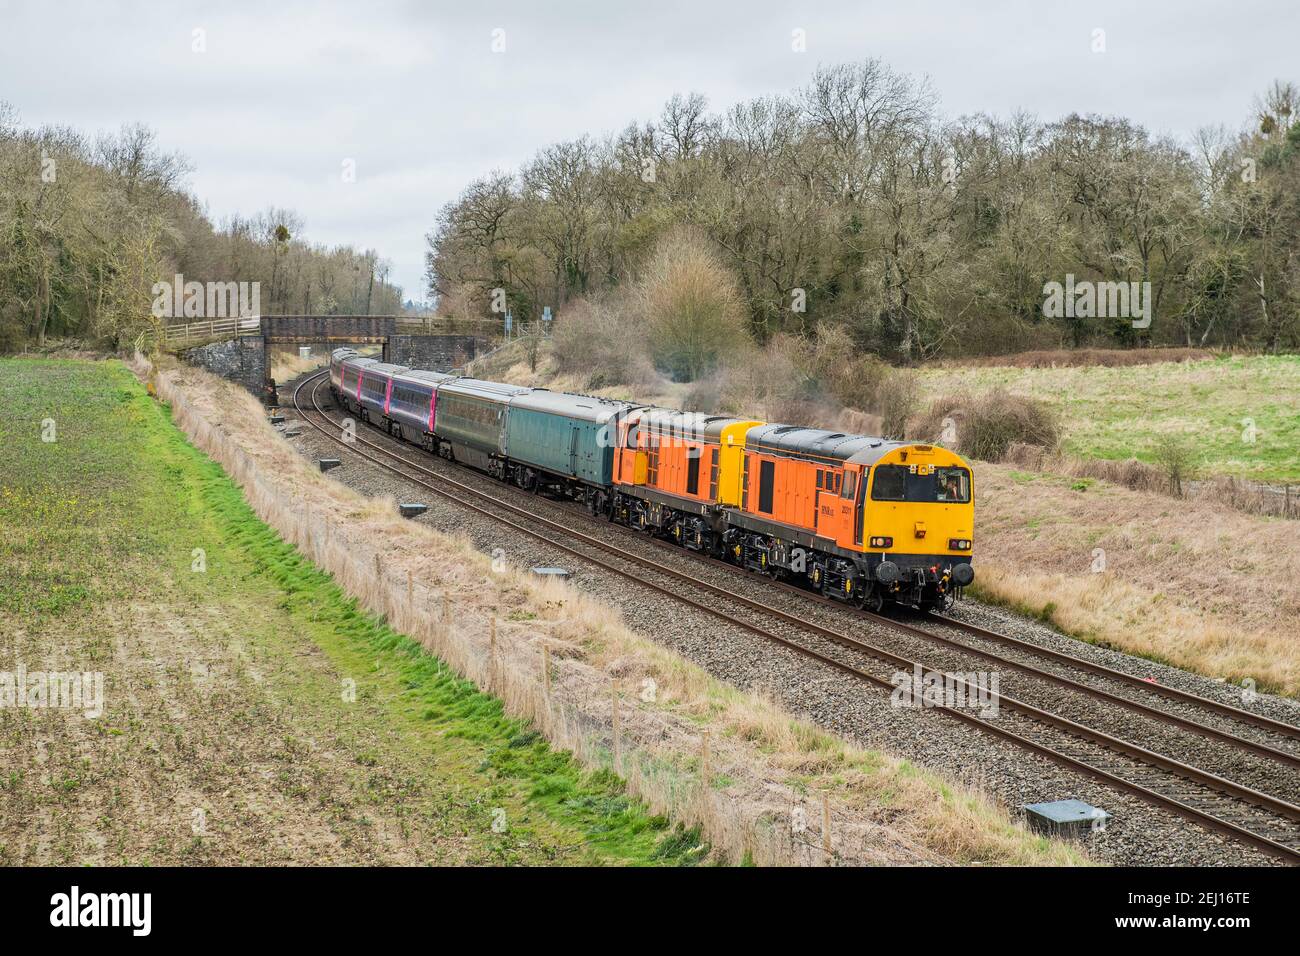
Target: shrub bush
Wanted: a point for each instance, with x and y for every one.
(691, 307)
(602, 343)
(987, 426)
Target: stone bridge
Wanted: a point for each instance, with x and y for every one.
(238, 349)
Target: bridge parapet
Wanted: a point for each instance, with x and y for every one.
(305, 329)
(311, 329)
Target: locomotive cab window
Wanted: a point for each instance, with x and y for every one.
(900, 483)
(890, 483)
(953, 484)
(693, 471)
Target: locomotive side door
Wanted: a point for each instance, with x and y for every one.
(829, 521)
(849, 508)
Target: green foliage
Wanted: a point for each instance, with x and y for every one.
(1240, 408)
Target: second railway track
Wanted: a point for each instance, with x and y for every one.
(1264, 820)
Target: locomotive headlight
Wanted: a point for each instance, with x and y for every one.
(882, 542)
(959, 544)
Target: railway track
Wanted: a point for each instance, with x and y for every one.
(1265, 821)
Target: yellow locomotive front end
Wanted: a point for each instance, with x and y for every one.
(918, 526)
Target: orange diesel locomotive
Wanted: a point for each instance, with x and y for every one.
(858, 518)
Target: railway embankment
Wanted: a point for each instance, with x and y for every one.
(762, 785)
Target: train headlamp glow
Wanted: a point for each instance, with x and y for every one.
(882, 542)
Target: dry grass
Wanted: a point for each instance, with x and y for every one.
(762, 762)
(1192, 583)
(1222, 490)
(1062, 358)
(287, 365)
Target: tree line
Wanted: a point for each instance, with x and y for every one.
(854, 203)
(89, 225)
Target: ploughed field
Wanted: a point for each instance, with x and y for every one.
(249, 712)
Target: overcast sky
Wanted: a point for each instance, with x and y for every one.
(284, 93)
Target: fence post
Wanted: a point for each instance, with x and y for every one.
(493, 668)
(613, 700)
(546, 673)
(826, 827)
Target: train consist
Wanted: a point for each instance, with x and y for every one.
(860, 519)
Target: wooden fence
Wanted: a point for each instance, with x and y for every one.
(208, 329)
